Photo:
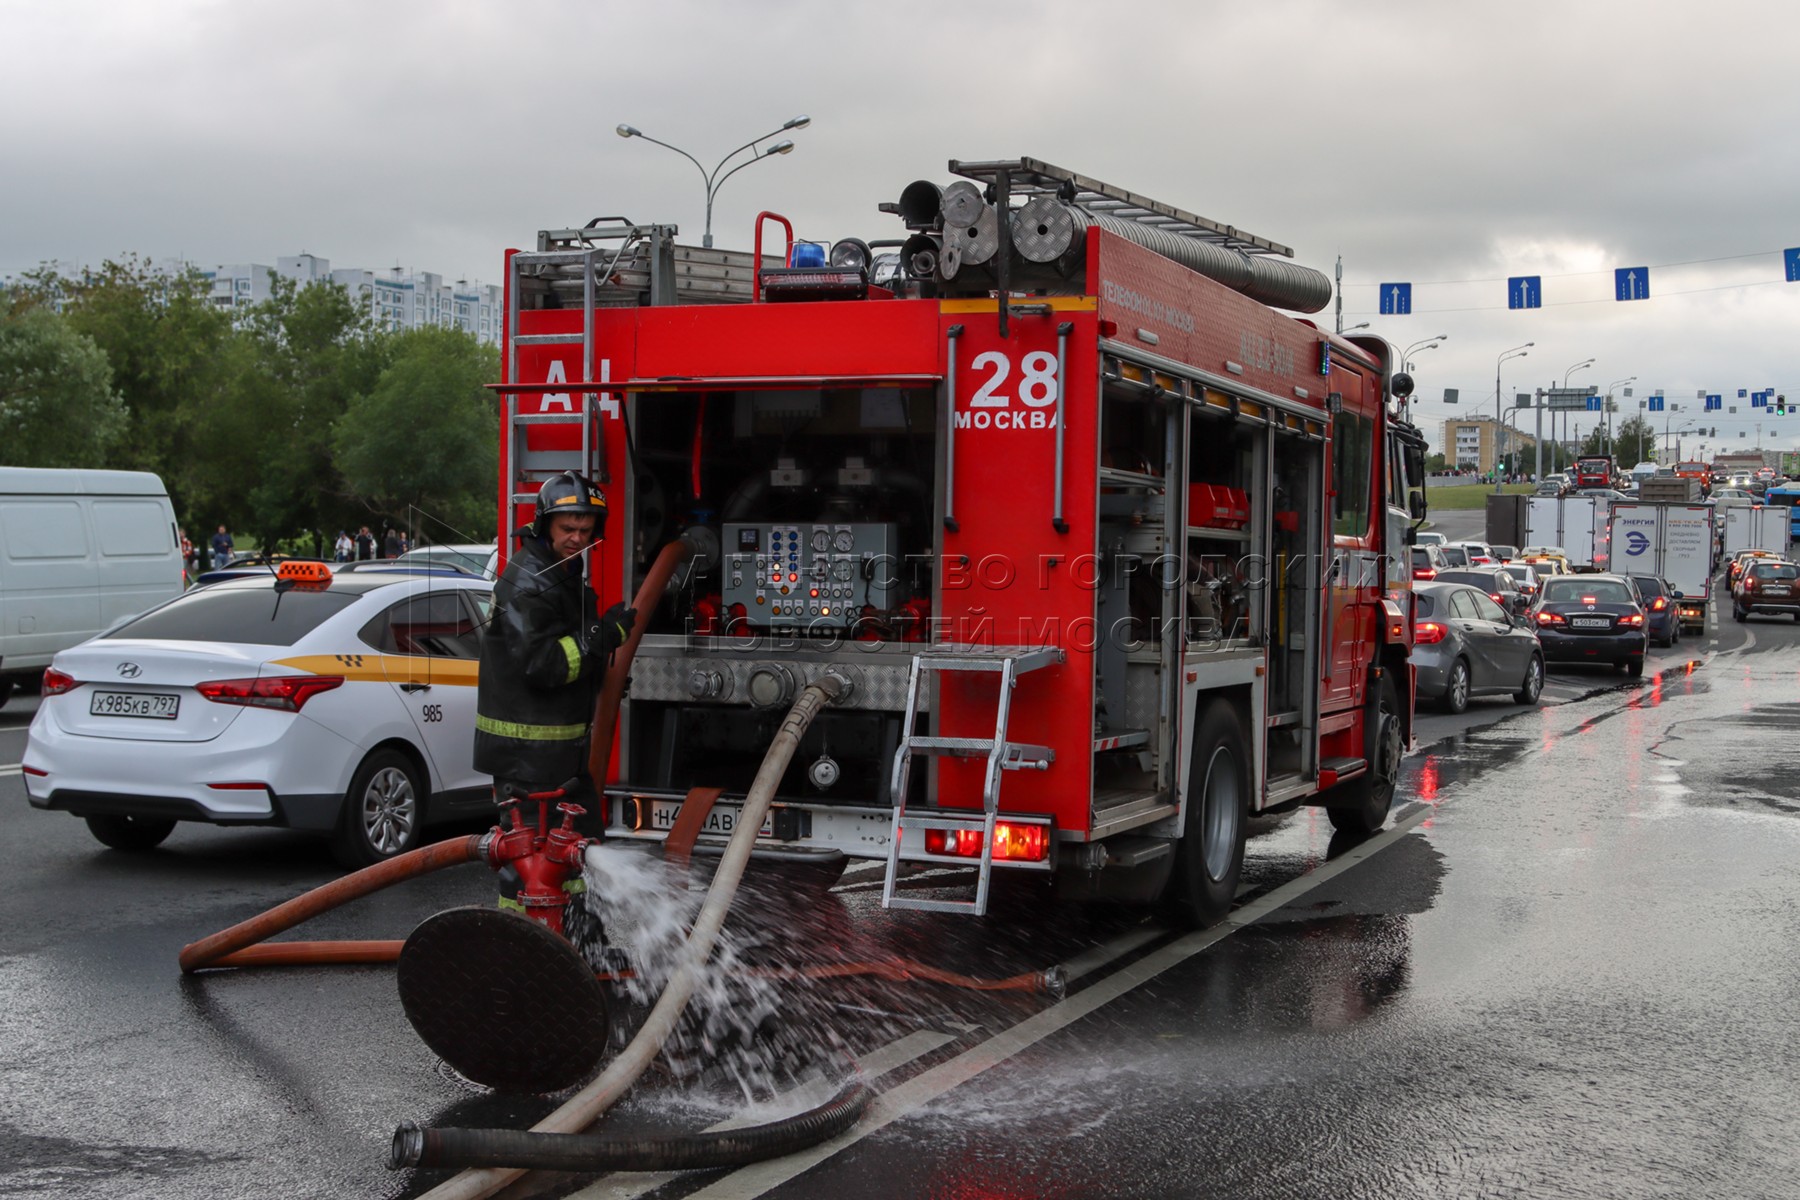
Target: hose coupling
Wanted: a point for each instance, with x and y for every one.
(408, 1148)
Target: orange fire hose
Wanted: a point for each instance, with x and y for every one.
(612, 692)
(211, 951)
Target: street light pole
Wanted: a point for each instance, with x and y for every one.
(1583, 364)
(713, 180)
(1607, 446)
(1515, 352)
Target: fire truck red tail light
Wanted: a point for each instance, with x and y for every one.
(286, 692)
(56, 682)
(1015, 842)
(1429, 633)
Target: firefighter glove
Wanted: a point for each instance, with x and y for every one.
(610, 632)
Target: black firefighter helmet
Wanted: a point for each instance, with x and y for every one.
(569, 493)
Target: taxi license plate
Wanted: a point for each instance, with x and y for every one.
(1590, 622)
(722, 821)
(156, 705)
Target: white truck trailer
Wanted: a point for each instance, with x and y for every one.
(1672, 542)
(1763, 527)
(1576, 523)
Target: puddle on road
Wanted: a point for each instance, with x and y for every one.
(1724, 762)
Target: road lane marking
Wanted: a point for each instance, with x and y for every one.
(11, 768)
(913, 1094)
(875, 1064)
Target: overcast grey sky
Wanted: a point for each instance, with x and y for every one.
(1446, 145)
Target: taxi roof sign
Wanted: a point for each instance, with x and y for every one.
(300, 571)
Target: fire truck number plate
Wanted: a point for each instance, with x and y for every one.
(134, 704)
(721, 821)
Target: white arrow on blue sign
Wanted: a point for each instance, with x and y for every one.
(1525, 291)
(1631, 283)
(1791, 259)
(1396, 299)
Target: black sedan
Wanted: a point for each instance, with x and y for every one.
(1593, 619)
(1464, 645)
(1497, 582)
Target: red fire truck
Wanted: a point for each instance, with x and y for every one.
(1110, 553)
(1594, 471)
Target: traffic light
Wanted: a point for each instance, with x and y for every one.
(1781, 406)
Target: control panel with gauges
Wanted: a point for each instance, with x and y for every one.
(815, 575)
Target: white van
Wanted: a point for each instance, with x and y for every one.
(79, 551)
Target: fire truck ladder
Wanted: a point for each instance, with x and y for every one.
(1002, 755)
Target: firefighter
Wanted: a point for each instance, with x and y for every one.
(544, 652)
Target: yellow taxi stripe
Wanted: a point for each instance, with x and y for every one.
(384, 668)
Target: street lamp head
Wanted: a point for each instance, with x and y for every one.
(626, 131)
(782, 147)
(799, 122)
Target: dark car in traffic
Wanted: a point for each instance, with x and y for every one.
(1497, 582)
(1592, 619)
(1466, 645)
(1662, 616)
(1767, 586)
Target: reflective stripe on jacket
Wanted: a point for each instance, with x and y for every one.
(535, 697)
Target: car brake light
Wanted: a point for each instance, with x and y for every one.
(1496, 598)
(1550, 618)
(1658, 604)
(1014, 841)
(1424, 574)
(1428, 633)
(1632, 619)
(56, 683)
(286, 692)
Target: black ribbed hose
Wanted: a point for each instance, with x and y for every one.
(416, 1146)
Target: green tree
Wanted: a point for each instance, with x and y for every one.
(57, 403)
(422, 447)
(1633, 441)
(165, 341)
(286, 377)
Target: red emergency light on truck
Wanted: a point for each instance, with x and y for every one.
(1110, 553)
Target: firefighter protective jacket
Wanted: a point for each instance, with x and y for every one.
(535, 696)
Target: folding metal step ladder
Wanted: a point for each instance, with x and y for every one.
(1010, 662)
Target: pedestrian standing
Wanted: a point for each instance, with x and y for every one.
(344, 547)
(390, 543)
(365, 545)
(221, 548)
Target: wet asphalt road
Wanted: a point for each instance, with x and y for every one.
(1566, 969)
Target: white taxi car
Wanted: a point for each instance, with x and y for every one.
(338, 703)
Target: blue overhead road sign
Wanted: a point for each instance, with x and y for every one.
(1631, 283)
(1396, 299)
(1525, 291)
(1791, 259)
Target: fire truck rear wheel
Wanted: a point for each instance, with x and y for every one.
(1361, 805)
(1211, 852)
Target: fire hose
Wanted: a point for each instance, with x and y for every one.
(586, 1106)
(556, 1141)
